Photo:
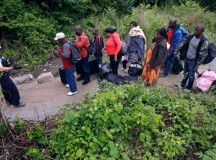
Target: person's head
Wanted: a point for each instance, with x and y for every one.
(109, 31)
(60, 37)
(199, 30)
(172, 22)
(95, 31)
(133, 24)
(161, 33)
(78, 30)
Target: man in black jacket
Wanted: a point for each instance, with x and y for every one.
(195, 48)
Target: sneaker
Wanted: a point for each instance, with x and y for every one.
(21, 104)
(67, 86)
(125, 70)
(85, 82)
(187, 90)
(80, 78)
(71, 93)
(179, 86)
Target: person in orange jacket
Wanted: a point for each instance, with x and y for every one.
(112, 47)
(82, 42)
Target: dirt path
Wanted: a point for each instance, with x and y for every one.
(45, 100)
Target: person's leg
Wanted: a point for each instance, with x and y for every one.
(191, 75)
(112, 63)
(86, 70)
(69, 72)
(119, 56)
(79, 70)
(124, 64)
(10, 88)
(168, 66)
(186, 73)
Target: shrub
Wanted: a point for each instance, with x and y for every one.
(134, 122)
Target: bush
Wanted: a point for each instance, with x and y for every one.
(134, 122)
(151, 18)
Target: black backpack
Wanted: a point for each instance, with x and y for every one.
(211, 53)
(92, 48)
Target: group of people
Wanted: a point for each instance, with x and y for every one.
(165, 46)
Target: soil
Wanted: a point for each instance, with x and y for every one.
(45, 100)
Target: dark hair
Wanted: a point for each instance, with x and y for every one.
(110, 30)
(163, 32)
(134, 23)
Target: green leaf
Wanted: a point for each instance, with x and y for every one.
(79, 153)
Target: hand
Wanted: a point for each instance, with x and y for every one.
(115, 58)
(196, 68)
(17, 67)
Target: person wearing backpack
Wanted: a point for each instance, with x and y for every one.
(81, 41)
(176, 34)
(99, 45)
(195, 48)
(65, 52)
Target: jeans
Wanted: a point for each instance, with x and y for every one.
(168, 65)
(189, 73)
(85, 69)
(10, 91)
(114, 64)
(69, 73)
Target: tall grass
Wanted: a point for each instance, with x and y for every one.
(150, 18)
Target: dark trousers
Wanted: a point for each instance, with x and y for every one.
(10, 91)
(124, 64)
(85, 69)
(168, 65)
(189, 73)
(99, 57)
(115, 64)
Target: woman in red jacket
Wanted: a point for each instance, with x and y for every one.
(113, 47)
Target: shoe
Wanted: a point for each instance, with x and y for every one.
(80, 78)
(187, 90)
(125, 70)
(85, 82)
(71, 93)
(21, 104)
(67, 86)
(179, 86)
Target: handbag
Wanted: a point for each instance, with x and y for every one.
(135, 69)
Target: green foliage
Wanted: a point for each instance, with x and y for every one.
(152, 18)
(3, 128)
(19, 126)
(134, 122)
(37, 134)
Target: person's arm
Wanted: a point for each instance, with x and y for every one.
(175, 42)
(6, 69)
(80, 43)
(203, 53)
(180, 45)
(118, 44)
(66, 51)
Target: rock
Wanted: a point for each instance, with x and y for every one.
(45, 77)
(23, 79)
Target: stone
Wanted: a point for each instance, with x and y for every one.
(45, 77)
(23, 79)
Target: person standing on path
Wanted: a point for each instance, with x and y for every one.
(82, 42)
(99, 45)
(112, 47)
(195, 48)
(175, 35)
(9, 89)
(65, 52)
